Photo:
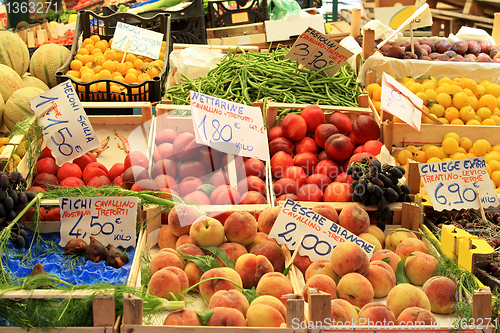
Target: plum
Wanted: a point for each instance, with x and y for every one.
(473, 47)
(460, 47)
(443, 45)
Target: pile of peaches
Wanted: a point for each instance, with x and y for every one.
(347, 274)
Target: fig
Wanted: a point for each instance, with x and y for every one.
(76, 246)
(37, 269)
(96, 251)
(115, 258)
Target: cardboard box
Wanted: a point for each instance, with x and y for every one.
(292, 26)
(238, 40)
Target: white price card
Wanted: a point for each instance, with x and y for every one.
(111, 220)
(66, 127)
(314, 50)
(397, 100)
(321, 235)
(456, 184)
(229, 127)
(132, 39)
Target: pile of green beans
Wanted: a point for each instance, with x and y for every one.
(251, 76)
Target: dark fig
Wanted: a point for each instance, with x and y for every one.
(96, 251)
(76, 246)
(37, 269)
(116, 258)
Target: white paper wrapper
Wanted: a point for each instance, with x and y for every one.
(381, 30)
(400, 68)
(193, 62)
(350, 43)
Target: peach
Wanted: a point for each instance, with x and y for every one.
(166, 239)
(294, 127)
(165, 135)
(404, 295)
(69, 170)
(441, 293)
(339, 147)
(164, 151)
(251, 183)
(47, 165)
(116, 170)
(45, 180)
(274, 132)
(188, 185)
(382, 278)
(190, 249)
(365, 128)
(416, 316)
(241, 227)
(349, 257)
(219, 178)
(355, 219)
(211, 158)
(229, 299)
(136, 158)
(313, 116)
(210, 287)
(420, 267)
(84, 160)
(356, 289)
(326, 211)
(186, 317)
(341, 121)
(253, 198)
(377, 314)
(193, 273)
(226, 317)
(46, 152)
(377, 232)
(233, 252)
(310, 192)
(321, 267)
(308, 145)
(296, 173)
(328, 168)
(263, 315)
(321, 282)
(129, 176)
(393, 258)
(272, 302)
(323, 132)
(181, 217)
(344, 312)
(191, 168)
(253, 167)
(372, 240)
(285, 186)
(411, 245)
(321, 180)
(72, 182)
(395, 237)
(92, 171)
(274, 284)
(273, 252)
(302, 263)
(225, 195)
(197, 197)
(280, 144)
(337, 192)
(279, 163)
(164, 167)
(166, 182)
(260, 237)
(168, 280)
(251, 268)
(144, 185)
(206, 231)
(184, 239)
(164, 258)
(185, 147)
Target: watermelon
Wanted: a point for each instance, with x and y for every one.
(18, 106)
(31, 81)
(14, 52)
(45, 62)
(10, 82)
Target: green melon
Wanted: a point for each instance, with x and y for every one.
(18, 106)
(31, 81)
(45, 62)
(14, 52)
(10, 81)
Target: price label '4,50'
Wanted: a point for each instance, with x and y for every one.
(66, 127)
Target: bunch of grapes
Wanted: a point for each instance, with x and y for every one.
(13, 197)
(374, 184)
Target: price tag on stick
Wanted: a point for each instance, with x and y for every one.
(314, 235)
(111, 220)
(66, 127)
(230, 127)
(456, 184)
(314, 50)
(132, 39)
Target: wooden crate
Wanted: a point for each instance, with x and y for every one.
(244, 34)
(185, 124)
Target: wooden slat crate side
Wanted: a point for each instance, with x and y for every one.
(238, 30)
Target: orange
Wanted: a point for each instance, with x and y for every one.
(458, 156)
(432, 151)
(485, 83)
(452, 89)
(458, 82)
(434, 160)
(471, 85)
(474, 102)
(431, 94)
(444, 80)
(138, 63)
(496, 119)
(143, 77)
(452, 135)
(74, 74)
(96, 51)
(110, 54)
(437, 109)
(101, 86)
(87, 41)
(443, 120)
(416, 87)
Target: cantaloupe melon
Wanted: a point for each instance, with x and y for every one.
(10, 81)
(31, 81)
(18, 106)
(46, 60)
(14, 52)
(2, 106)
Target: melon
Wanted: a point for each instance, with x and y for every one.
(45, 62)
(18, 106)
(14, 52)
(2, 106)
(10, 81)
(31, 81)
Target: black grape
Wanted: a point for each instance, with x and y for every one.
(407, 198)
(13, 194)
(10, 215)
(393, 179)
(378, 182)
(401, 169)
(365, 196)
(22, 198)
(4, 182)
(387, 182)
(356, 175)
(382, 203)
(374, 200)
(397, 189)
(401, 197)
(349, 171)
(3, 195)
(378, 191)
(370, 187)
(355, 197)
(381, 224)
(30, 195)
(386, 214)
(405, 189)
(2, 223)
(2, 210)
(391, 195)
(15, 177)
(396, 173)
(24, 183)
(377, 165)
(23, 233)
(8, 204)
(19, 242)
(365, 160)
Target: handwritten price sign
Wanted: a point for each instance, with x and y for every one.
(132, 39)
(109, 219)
(454, 184)
(315, 51)
(321, 234)
(66, 128)
(396, 99)
(230, 127)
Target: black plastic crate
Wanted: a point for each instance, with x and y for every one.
(88, 24)
(187, 25)
(221, 15)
